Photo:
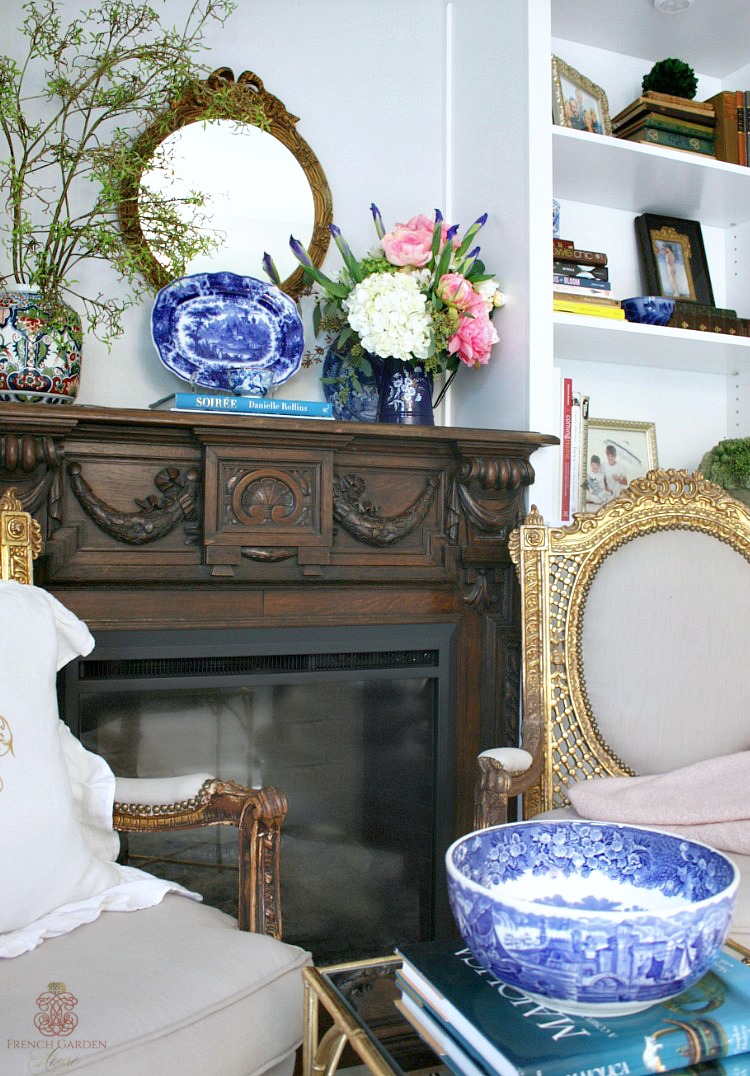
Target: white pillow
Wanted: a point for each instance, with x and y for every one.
(47, 857)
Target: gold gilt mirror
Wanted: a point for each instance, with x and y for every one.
(227, 155)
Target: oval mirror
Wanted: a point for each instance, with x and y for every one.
(225, 169)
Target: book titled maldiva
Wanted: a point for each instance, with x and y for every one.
(227, 404)
(508, 1032)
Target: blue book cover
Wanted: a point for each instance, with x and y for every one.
(225, 404)
(582, 282)
(510, 1033)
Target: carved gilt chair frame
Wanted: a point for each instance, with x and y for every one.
(257, 813)
(556, 567)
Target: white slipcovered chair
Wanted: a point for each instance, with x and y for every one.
(104, 968)
(636, 696)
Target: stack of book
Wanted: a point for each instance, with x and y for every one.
(672, 122)
(732, 127)
(574, 440)
(712, 319)
(480, 1027)
(580, 281)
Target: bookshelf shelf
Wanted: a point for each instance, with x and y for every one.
(605, 171)
(581, 338)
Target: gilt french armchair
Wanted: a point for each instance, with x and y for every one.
(105, 967)
(634, 659)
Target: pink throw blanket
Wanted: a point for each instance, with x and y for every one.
(708, 801)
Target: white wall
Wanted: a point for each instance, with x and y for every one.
(366, 80)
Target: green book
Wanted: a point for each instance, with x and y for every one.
(667, 123)
(654, 136)
(512, 1034)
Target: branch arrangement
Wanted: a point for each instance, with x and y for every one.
(70, 112)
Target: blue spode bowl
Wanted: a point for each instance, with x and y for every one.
(648, 309)
(591, 916)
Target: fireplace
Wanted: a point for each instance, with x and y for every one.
(356, 726)
(308, 552)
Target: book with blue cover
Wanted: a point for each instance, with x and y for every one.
(507, 1032)
(230, 404)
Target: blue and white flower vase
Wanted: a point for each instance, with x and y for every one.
(40, 348)
(352, 390)
(405, 394)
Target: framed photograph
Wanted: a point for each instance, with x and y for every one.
(616, 453)
(673, 258)
(577, 102)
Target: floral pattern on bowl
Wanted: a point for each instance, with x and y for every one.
(591, 916)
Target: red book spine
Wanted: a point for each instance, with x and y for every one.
(567, 412)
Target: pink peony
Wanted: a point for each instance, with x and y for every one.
(456, 290)
(475, 335)
(411, 243)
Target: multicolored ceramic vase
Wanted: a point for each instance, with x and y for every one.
(405, 394)
(40, 348)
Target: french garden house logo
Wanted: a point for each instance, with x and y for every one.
(55, 1046)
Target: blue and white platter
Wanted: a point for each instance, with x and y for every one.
(353, 398)
(225, 331)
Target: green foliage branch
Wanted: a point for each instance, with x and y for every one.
(70, 111)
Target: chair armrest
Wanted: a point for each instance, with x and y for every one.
(499, 770)
(257, 813)
(150, 791)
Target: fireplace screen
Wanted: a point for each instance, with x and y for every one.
(359, 737)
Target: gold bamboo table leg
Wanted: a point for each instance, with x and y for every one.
(321, 1056)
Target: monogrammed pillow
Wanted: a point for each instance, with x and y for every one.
(45, 858)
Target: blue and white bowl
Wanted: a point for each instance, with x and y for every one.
(591, 916)
(648, 309)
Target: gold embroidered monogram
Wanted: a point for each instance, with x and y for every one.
(6, 742)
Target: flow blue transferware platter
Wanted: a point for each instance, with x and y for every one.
(221, 330)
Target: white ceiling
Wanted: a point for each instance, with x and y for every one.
(625, 25)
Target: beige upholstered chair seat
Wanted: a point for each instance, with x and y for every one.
(134, 975)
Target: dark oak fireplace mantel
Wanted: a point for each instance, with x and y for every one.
(158, 520)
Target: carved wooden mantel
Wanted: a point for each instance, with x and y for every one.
(157, 519)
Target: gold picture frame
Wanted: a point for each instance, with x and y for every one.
(577, 102)
(673, 258)
(615, 452)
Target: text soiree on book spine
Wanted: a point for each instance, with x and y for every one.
(252, 405)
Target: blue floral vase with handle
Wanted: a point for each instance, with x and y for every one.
(405, 394)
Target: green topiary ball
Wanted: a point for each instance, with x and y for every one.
(671, 76)
(728, 463)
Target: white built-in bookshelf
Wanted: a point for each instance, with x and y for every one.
(695, 386)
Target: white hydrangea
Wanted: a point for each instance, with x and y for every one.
(389, 313)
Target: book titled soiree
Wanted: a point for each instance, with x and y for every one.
(507, 1032)
(228, 404)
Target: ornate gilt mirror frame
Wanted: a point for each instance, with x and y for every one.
(556, 568)
(243, 100)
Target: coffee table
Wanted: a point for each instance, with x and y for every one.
(359, 998)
